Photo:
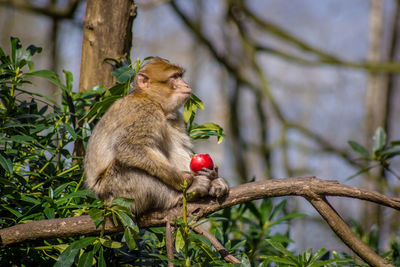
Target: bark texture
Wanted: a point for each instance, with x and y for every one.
(313, 189)
(107, 33)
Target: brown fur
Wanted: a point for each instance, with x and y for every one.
(140, 149)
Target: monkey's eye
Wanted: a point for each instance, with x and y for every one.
(175, 76)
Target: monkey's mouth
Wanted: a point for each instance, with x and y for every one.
(186, 93)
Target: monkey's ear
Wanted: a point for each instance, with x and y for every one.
(142, 81)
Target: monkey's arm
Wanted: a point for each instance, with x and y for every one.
(140, 147)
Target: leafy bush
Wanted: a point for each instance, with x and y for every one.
(41, 177)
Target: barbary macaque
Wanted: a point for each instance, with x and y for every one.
(140, 148)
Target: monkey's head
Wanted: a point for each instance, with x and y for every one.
(163, 82)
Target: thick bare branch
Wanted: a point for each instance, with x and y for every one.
(311, 188)
(344, 232)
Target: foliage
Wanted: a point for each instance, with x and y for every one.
(305, 259)
(381, 155)
(41, 178)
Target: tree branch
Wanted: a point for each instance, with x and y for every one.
(49, 10)
(169, 242)
(217, 245)
(343, 231)
(311, 188)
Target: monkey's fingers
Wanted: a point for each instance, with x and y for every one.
(218, 188)
(216, 169)
(211, 174)
(188, 176)
(199, 188)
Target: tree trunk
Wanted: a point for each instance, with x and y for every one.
(376, 99)
(107, 33)
(375, 108)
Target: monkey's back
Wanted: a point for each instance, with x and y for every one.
(100, 150)
(129, 119)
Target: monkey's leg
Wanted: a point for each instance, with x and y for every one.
(169, 241)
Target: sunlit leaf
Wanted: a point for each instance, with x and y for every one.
(110, 243)
(130, 240)
(179, 242)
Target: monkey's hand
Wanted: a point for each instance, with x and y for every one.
(211, 174)
(199, 187)
(218, 188)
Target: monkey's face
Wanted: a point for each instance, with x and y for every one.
(179, 90)
(164, 82)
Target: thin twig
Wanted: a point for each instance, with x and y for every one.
(217, 245)
(169, 241)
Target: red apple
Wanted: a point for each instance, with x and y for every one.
(200, 161)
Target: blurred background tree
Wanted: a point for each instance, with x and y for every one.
(290, 81)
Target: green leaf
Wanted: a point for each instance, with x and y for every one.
(82, 243)
(289, 217)
(15, 212)
(30, 51)
(95, 214)
(129, 239)
(30, 200)
(49, 212)
(23, 139)
(359, 172)
(379, 140)
(100, 107)
(67, 258)
(6, 164)
(71, 131)
(110, 243)
(187, 112)
(102, 262)
(123, 74)
(395, 143)
(123, 202)
(326, 262)
(196, 101)
(318, 254)
(206, 130)
(127, 221)
(278, 246)
(15, 50)
(86, 259)
(390, 154)
(116, 90)
(277, 209)
(61, 188)
(359, 149)
(48, 75)
(179, 242)
(277, 259)
(40, 95)
(69, 79)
